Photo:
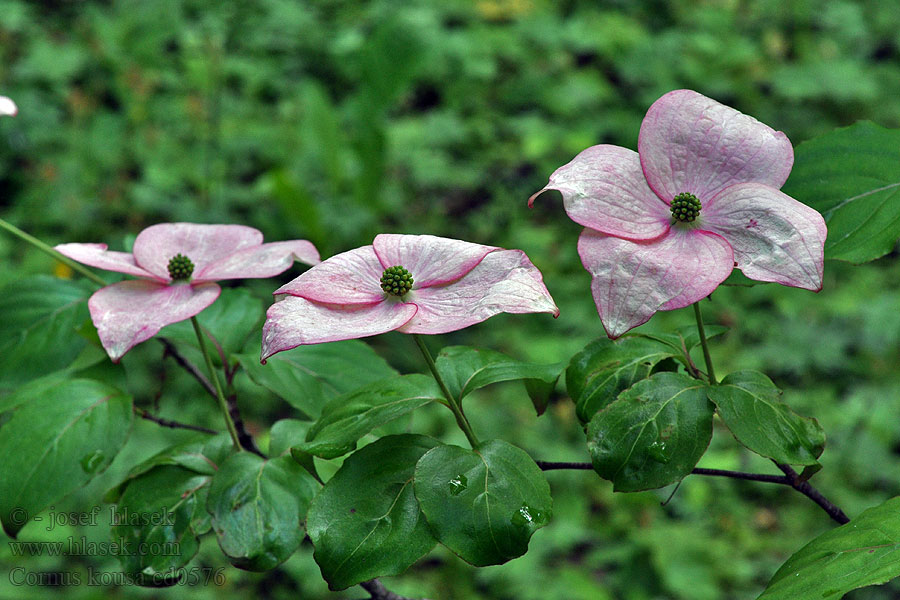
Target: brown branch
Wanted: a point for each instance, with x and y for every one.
(187, 365)
(813, 494)
(790, 478)
(741, 475)
(377, 591)
(172, 424)
(244, 436)
(555, 466)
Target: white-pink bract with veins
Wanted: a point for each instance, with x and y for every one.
(455, 284)
(130, 312)
(641, 257)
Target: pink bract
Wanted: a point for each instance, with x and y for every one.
(456, 284)
(130, 312)
(641, 258)
(8, 107)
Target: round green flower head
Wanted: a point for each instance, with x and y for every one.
(396, 281)
(685, 207)
(180, 267)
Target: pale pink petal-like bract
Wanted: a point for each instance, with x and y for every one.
(774, 237)
(130, 312)
(351, 277)
(96, 255)
(691, 143)
(202, 244)
(604, 188)
(630, 281)
(266, 260)
(8, 107)
(504, 281)
(293, 321)
(431, 260)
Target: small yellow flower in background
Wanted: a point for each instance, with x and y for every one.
(62, 271)
(501, 10)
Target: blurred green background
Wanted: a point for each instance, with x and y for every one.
(336, 120)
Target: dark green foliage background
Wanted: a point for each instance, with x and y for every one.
(336, 120)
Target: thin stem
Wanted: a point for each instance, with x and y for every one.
(220, 395)
(709, 366)
(172, 424)
(790, 479)
(52, 252)
(454, 406)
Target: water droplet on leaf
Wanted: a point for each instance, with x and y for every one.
(522, 516)
(658, 452)
(91, 462)
(458, 485)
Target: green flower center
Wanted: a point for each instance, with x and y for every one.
(396, 281)
(180, 267)
(685, 207)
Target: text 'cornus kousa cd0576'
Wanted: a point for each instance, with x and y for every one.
(177, 265)
(665, 225)
(408, 283)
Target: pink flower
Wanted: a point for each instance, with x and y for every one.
(177, 264)
(8, 107)
(408, 283)
(666, 225)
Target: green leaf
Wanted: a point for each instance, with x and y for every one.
(39, 321)
(36, 388)
(597, 374)
(157, 521)
(347, 418)
(231, 319)
(852, 176)
(202, 455)
(749, 404)
(466, 369)
(57, 442)
(685, 338)
(286, 433)
(307, 461)
(738, 279)
(297, 204)
(308, 376)
(366, 521)
(653, 434)
(258, 507)
(865, 551)
(483, 504)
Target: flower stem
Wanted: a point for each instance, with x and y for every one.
(52, 252)
(454, 406)
(709, 366)
(220, 395)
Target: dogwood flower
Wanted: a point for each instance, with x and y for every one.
(408, 283)
(177, 264)
(8, 107)
(665, 225)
